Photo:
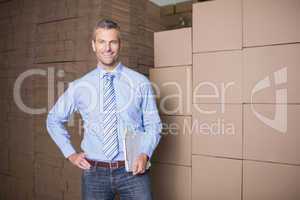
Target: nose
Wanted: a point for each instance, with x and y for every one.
(107, 47)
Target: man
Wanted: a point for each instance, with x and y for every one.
(110, 98)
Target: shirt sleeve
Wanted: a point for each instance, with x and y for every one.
(57, 116)
(151, 120)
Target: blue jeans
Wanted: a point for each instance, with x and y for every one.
(103, 184)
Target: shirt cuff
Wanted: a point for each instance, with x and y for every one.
(146, 150)
(147, 153)
(68, 150)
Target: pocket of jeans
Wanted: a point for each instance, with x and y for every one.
(89, 171)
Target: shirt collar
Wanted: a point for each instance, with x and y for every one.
(116, 71)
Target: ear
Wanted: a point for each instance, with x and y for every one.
(120, 44)
(93, 45)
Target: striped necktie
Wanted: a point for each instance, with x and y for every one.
(110, 132)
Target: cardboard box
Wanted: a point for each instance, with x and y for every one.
(217, 25)
(5, 185)
(57, 10)
(85, 8)
(177, 21)
(152, 10)
(72, 177)
(21, 132)
(66, 40)
(217, 77)
(171, 182)
(173, 92)
(184, 7)
(176, 141)
(4, 156)
(271, 133)
(216, 178)
(4, 110)
(44, 144)
(48, 180)
(270, 181)
(10, 8)
(173, 48)
(42, 159)
(71, 172)
(6, 40)
(217, 130)
(24, 30)
(271, 74)
(263, 25)
(21, 165)
(23, 189)
(70, 196)
(3, 124)
(24, 61)
(167, 10)
(13, 188)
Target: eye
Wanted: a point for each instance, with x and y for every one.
(115, 42)
(101, 41)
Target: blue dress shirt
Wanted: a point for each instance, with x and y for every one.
(136, 110)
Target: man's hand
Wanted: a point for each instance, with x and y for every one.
(140, 163)
(78, 160)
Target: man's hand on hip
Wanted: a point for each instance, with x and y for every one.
(140, 163)
(78, 159)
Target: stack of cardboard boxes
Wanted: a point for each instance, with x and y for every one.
(244, 131)
(270, 91)
(217, 101)
(54, 38)
(172, 78)
(177, 15)
(17, 147)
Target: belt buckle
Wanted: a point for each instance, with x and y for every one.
(113, 165)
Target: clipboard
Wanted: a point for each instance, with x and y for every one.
(132, 145)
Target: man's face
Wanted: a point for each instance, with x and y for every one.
(106, 45)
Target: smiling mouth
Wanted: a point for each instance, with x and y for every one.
(108, 56)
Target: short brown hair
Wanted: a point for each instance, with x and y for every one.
(106, 24)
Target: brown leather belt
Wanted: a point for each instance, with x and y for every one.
(108, 165)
